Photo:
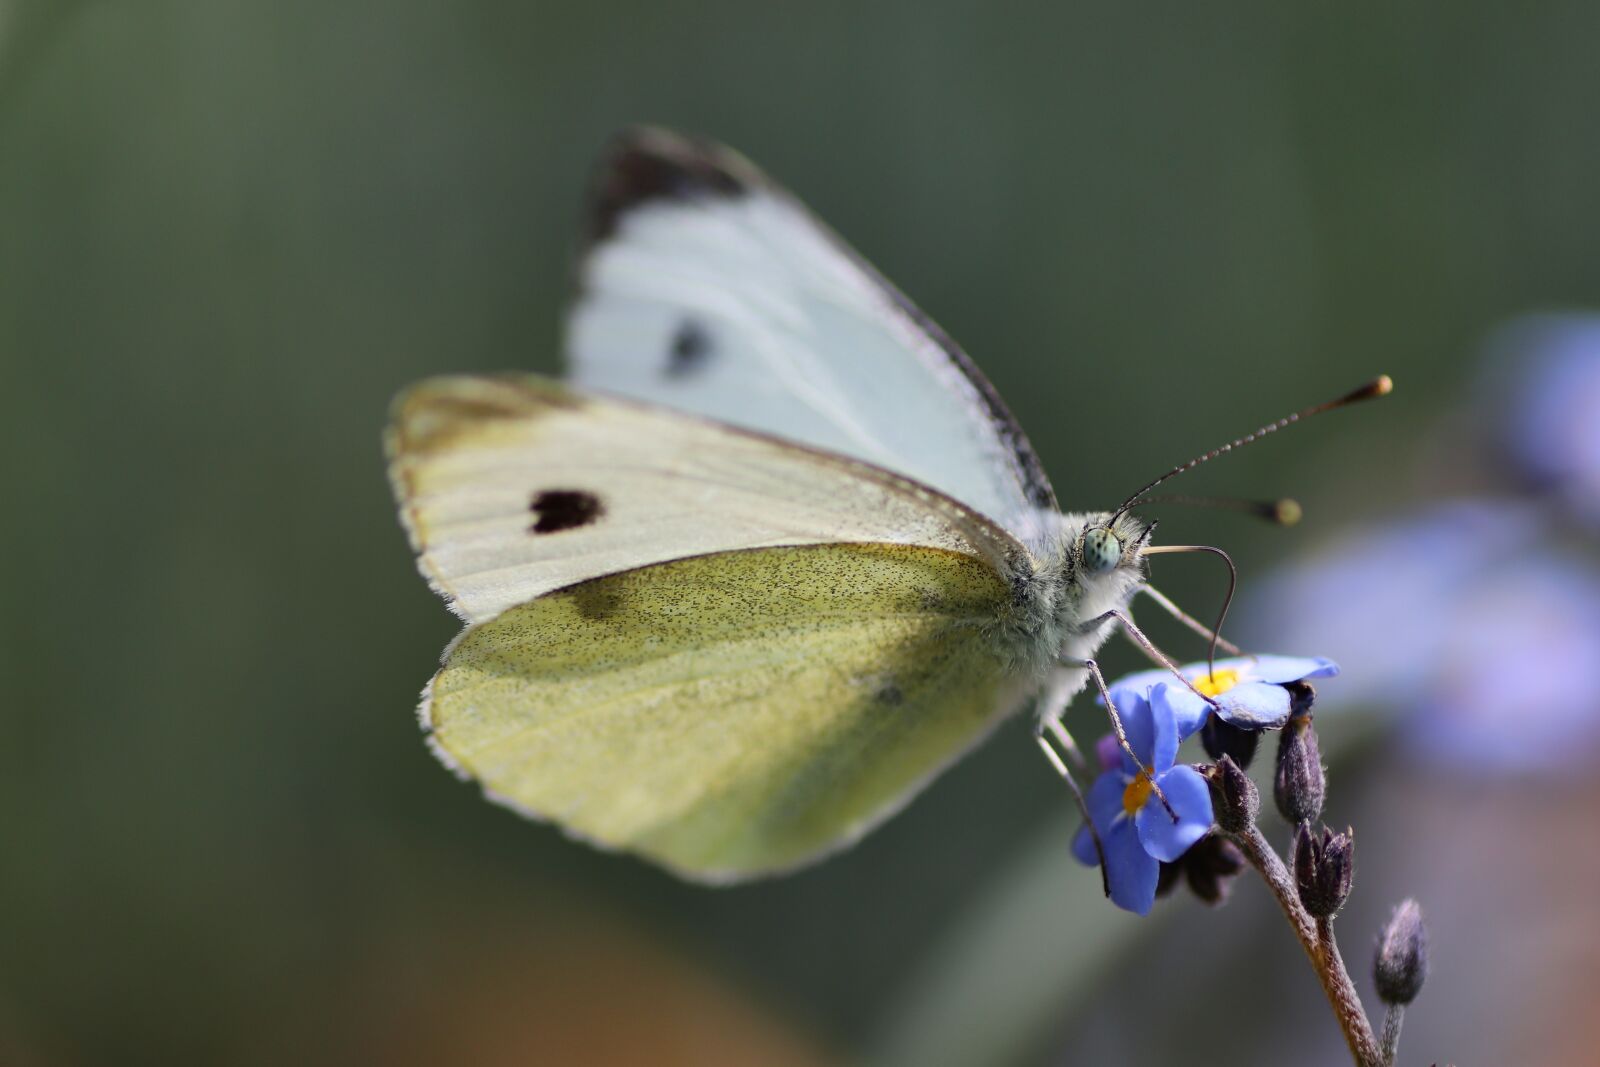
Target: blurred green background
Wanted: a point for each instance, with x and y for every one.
(230, 230)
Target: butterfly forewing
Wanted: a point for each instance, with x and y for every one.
(708, 288)
(512, 487)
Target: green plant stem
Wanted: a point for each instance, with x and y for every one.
(1316, 937)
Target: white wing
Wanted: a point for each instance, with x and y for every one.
(709, 289)
(513, 487)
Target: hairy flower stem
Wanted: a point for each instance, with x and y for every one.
(1316, 937)
(1391, 1033)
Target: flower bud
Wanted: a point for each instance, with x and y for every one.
(1212, 865)
(1401, 964)
(1209, 867)
(1235, 800)
(1168, 875)
(1299, 784)
(1324, 866)
(1301, 696)
(1222, 738)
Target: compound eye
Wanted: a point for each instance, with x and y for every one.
(1102, 550)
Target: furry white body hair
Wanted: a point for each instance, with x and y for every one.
(1049, 633)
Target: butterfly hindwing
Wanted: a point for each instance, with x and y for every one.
(733, 714)
(708, 288)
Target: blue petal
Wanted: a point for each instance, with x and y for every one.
(1146, 681)
(1104, 801)
(1282, 669)
(1083, 848)
(1255, 706)
(1201, 668)
(1190, 798)
(1138, 683)
(1190, 710)
(1182, 705)
(1138, 722)
(1130, 870)
(1167, 736)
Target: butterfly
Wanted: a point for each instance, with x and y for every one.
(771, 558)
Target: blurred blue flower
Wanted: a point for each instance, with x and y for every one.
(1250, 689)
(1464, 619)
(1544, 378)
(1373, 598)
(1136, 830)
(1512, 687)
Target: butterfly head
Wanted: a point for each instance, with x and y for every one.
(1103, 549)
(1096, 567)
(1099, 550)
(1108, 543)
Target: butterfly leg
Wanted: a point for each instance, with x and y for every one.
(1190, 621)
(1052, 726)
(1137, 636)
(1116, 725)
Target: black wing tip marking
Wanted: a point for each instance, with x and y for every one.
(645, 163)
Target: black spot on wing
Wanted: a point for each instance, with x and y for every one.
(563, 509)
(690, 350)
(648, 164)
(889, 695)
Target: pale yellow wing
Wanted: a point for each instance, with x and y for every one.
(735, 714)
(511, 487)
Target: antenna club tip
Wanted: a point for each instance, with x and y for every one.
(1382, 385)
(1287, 512)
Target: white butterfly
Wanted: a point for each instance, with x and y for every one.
(781, 557)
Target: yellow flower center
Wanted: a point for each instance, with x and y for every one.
(1214, 685)
(1137, 793)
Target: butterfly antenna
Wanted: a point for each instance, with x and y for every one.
(1282, 512)
(1379, 386)
(1227, 601)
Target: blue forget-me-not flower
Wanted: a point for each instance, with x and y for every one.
(1137, 830)
(1249, 690)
